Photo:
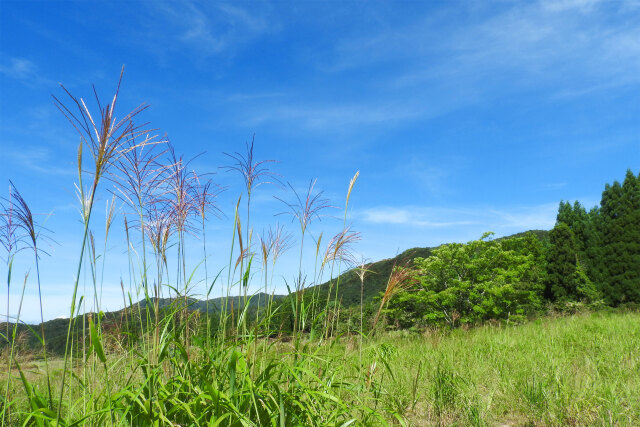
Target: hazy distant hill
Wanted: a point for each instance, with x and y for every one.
(215, 304)
(55, 330)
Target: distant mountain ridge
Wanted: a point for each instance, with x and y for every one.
(56, 329)
(215, 304)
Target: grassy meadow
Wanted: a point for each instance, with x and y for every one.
(577, 370)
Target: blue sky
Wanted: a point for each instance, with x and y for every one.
(462, 117)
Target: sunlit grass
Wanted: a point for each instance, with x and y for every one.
(579, 370)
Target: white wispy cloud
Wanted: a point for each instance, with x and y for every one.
(410, 216)
(37, 159)
(330, 116)
(23, 70)
(519, 218)
(434, 177)
(563, 5)
(427, 66)
(18, 68)
(242, 97)
(205, 28)
(554, 185)
(523, 218)
(574, 46)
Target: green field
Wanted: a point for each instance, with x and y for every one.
(577, 370)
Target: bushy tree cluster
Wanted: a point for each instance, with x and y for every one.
(588, 257)
(467, 283)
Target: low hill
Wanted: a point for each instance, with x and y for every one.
(375, 280)
(214, 305)
(55, 330)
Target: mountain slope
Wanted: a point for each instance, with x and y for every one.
(375, 280)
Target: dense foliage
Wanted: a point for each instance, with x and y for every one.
(466, 283)
(589, 258)
(607, 240)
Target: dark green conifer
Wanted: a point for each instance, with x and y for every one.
(561, 264)
(577, 219)
(565, 213)
(594, 263)
(620, 229)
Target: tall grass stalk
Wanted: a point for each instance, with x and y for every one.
(339, 249)
(205, 203)
(254, 174)
(25, 221)
(9, 239)
(361, 272)
(230, 275)
(304, 211)
(5, 409)
(399, 279)
(7, 404)
(346, 256)
(106, 141)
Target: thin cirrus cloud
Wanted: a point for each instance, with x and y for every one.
(205, 28)
(18, 68)
(481, 218)
(526, 42)
(332, 116)
(424, 69)
(23, 70)
(38, 159)
(410, 216)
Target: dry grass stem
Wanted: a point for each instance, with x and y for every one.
(401, 278)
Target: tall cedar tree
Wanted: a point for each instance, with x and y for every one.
(593, 248)
(577, 218)
(620, 233)
(562, 263)
(587, 238)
